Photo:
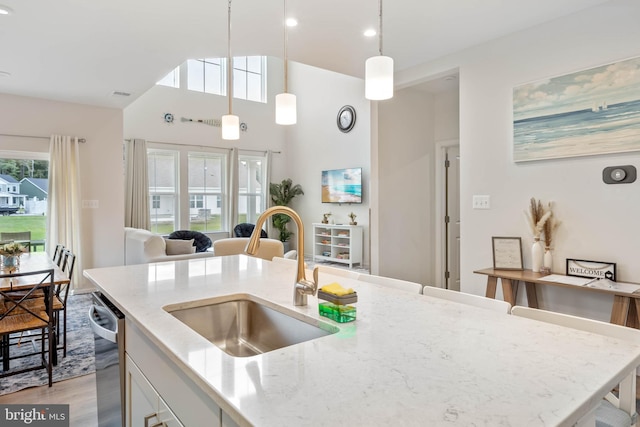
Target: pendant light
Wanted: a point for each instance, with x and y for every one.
(378, 75)
(230, 123)
(286, 102)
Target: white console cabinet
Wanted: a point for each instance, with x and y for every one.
(337, 243)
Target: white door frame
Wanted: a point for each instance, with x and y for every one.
(440, 151)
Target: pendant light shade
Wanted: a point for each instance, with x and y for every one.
(378, 78)
(378, 74)
(230, 127)
(286, 107)
(230, 123)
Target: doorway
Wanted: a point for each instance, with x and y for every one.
(447, 229)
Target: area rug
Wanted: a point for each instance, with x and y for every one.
(80, 352)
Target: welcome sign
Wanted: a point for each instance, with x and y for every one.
(591, 269)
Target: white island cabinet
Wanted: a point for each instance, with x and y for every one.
(408, 359)
(158, 394)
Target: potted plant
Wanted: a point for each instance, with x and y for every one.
(281, 195)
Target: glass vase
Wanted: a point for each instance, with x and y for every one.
(9, 261)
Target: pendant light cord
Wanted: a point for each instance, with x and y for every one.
(380, 27)
(286, 65)
(229, 60)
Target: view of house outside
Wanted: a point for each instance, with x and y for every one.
(23, 196)
(205, 190)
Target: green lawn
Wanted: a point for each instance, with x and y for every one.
(35, 224)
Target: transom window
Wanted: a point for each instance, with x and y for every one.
(209, 75)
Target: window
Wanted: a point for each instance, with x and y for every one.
(249, 78)
(252, 188)
(163, 190)
(196, 201)
(205, 191)
(207, 75)
(23, 194)
(172, 79)
(186, 188)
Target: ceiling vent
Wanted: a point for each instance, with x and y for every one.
(119, 93)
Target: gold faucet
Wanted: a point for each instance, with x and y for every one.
(302, 286)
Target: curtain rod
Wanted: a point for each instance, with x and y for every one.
(207, 146)
(81, 140)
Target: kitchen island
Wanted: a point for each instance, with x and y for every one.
(407, 359)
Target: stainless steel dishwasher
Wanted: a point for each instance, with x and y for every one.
(107, 323)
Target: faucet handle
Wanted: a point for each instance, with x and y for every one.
(315, 275)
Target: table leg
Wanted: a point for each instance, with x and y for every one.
(532, 297)
(492, 283)
(508, 292)
(620, 310)
(633, 317)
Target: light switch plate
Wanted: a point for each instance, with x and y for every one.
(89, 204)
(481, 202)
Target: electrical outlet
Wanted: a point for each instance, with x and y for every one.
(89, 204)
(481, 202)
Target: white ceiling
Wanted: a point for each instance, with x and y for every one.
(83, 50)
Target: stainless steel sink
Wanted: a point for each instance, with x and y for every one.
(245, 327)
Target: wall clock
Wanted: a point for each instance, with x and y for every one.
(346, 118)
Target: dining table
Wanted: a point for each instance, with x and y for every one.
(32, 262)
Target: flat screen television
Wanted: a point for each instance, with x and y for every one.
(342, 185)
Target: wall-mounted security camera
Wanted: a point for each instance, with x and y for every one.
(619, 174)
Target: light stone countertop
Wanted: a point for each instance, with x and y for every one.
(407, 359)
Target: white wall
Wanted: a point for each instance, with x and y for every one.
(599, 221)
(406, 176)
(315, 143)
(101, 171)
(144, 118)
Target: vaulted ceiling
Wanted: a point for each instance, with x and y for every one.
(82, 51)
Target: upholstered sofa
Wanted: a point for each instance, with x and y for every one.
(142, 246)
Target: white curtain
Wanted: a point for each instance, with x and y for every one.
(267, 193)
(232, 179)
(136, 203)
(63, 204)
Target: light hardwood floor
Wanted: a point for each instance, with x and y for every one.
(79, 393)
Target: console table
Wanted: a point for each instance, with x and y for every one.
(626, 305)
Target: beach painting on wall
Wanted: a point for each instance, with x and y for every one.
(595, 111)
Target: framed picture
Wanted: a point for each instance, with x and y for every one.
(589, 112)
(591, 269)
(507, 253)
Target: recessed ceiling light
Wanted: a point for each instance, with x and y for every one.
(5, 74)
(5, 10)
(291, 22)
(370, 32)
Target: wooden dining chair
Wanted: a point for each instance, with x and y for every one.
(26, 313)
(614, 410)
(60, 296)
(469, 299)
